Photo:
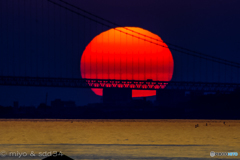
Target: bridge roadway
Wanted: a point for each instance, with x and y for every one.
(107, 83)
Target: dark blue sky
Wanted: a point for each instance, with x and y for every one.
(39, 34)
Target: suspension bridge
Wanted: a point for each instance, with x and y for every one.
(42, 43)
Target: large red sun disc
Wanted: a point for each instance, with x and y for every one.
(121, 53)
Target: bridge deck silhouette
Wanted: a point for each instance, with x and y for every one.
(112, 83)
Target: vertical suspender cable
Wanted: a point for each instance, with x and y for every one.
(24, 14)
(42, 46)
(238, 75)
(102, 53)
(193, 71)
(84, 44)
(13, 39)
(200, 73)
(78, 44)
(7, 38)
(72, 55)
(225, 73)
(108, 45)
(37, 37)
(231, 80)
(211, 71)
(66, 44)
(1, 31)
(219, 72)
(213, 75)
(157, 64)
(138, 58)
(95, 49)
(187, 76)
(20, 40)
(181, 69)
(31, 38)
(120, 55)
(163, 68)
(171, 68)
(151, 72)
(90, 33)
(49, 57)
(127, 56)
(114, 54)
(145, 57)
(132, 57)
(206, 71)
(96, 55)
(54, 40)
(61, 43)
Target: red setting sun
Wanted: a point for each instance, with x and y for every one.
(127, 53)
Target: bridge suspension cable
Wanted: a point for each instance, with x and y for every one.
(177, 48)
(118, 25)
